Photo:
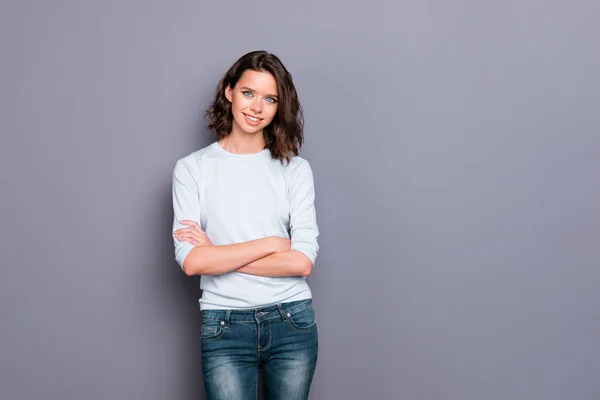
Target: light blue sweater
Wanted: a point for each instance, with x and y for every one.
(242, 197)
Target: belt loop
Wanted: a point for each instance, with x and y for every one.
(227, 317)
(282, 312)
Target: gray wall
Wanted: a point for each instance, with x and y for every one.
(456, 151)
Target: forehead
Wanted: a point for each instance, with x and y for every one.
(260, 81)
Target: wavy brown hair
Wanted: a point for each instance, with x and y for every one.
(284, 135)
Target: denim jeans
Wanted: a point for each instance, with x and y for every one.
(281, 340)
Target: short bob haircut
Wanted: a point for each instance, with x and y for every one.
(284, 135)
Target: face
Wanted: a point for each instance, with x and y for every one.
(254, 101)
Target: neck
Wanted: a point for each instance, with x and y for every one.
(243, 143)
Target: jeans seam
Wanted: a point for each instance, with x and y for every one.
(270, 338)
(214, 337)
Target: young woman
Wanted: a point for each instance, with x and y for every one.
(245, 220)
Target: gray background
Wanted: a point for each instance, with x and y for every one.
(456, 150)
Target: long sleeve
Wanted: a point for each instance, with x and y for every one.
(303, 218)
(186, 205)
(238, 198)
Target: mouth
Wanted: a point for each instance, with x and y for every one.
(252, 119)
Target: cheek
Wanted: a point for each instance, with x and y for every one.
(272, 114)
(239, 103)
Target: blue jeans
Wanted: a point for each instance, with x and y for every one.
(281, 340)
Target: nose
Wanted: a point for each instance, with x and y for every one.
(256, 105)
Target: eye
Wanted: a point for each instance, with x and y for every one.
(271, 100)
(247, 93)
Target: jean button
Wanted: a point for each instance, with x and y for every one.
(222, 323)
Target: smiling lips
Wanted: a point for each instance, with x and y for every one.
(251, 120)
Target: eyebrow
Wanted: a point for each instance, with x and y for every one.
(252, 90)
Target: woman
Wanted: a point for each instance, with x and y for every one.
(245, 220)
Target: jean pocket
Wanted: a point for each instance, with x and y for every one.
(211, 330)
(303, 319)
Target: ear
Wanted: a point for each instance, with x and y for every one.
(229, 93)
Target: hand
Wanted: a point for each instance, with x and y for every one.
(281, 244)
(194, 234)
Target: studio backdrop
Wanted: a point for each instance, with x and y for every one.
(455, 147)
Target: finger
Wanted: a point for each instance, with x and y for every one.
(186, 237)
(190, 240)
(190, 235)
(189, 230)
(202, 239)
(185, 234)
(193, 241)
(181, 230)
(190, 223)
(192, 228)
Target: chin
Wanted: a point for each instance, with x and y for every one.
(251, 130)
